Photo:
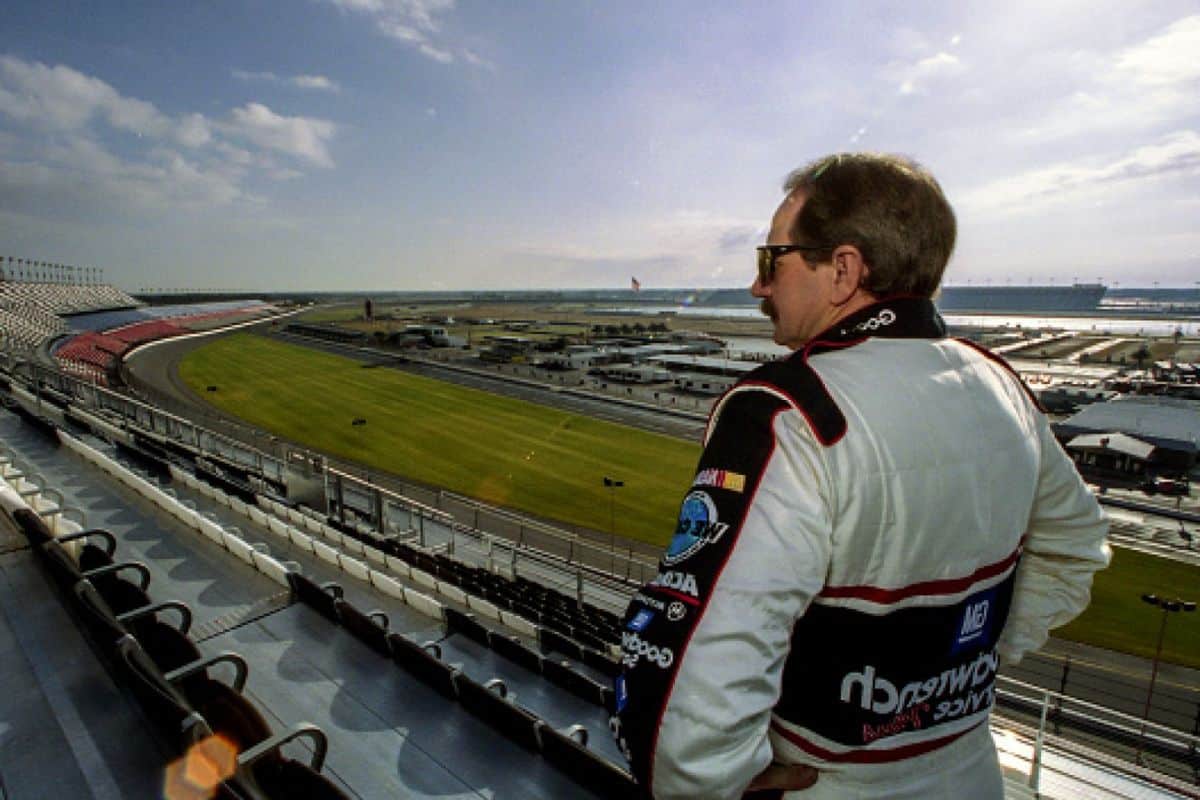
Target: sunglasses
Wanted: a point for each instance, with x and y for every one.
(768, 253)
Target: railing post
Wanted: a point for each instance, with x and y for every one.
(1062, 690)
(579, 586)
(1035, 768)
(1195, 731)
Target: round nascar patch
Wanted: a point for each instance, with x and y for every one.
(698, 525)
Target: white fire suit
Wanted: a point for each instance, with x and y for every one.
(876, 523)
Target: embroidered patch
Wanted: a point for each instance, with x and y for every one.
(698, 526)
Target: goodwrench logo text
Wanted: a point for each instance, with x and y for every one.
(637, 648)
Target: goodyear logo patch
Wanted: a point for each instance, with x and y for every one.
(698, 526)
(721, 479)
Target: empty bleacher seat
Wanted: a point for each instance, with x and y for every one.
(424, 665)
(322, 598)
(574, 758)
(370, 628)
(489, 702)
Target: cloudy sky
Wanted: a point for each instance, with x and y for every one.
(430, 144)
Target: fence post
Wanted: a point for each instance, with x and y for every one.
(1062, 690)
(579, 586)
(1195, 731)
(1035, 768)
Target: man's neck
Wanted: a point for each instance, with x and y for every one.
(857, 302)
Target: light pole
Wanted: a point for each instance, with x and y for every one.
(612, 484)
(1167, 606)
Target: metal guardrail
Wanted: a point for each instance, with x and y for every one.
(1107, 725)
(565, 560)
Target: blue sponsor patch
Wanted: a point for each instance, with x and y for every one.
(698, 525)
(622, 695)
(975, 624)
(640, 620)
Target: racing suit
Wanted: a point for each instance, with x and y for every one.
(876, 521)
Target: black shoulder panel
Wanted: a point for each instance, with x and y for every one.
(801, 384)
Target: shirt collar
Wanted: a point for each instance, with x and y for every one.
(902, 317)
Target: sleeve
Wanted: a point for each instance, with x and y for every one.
(1065, 545)
(704, 644)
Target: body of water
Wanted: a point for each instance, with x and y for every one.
(1115, 325)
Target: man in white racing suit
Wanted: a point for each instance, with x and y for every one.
(877, 523)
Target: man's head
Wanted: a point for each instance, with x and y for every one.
(870, 226)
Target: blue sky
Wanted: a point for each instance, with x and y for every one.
(434, 144)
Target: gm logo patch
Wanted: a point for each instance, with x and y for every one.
(975, 623)
(640, 620)
(698, 525)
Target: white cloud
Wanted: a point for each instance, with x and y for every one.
(78, 179)
(1151, 83)
(311, 82)
(67, 157)
(245, 75)
(1175, 154)
(318, 82)
(303, 137)
(193, 131)
(417, 24)
(1166, 59)
(61, 98)
(408, 34)
(916, 77)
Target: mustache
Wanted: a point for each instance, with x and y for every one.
(767, 308)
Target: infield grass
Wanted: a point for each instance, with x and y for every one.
(501, 450)
(552, 463)
(1117, 618)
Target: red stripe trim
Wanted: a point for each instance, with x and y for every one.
(876, 594)
(687, 598)
(868, 756)
(988, 354)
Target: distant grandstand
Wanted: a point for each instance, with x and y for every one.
(1077, 298)
(56, 310)
(32, 311)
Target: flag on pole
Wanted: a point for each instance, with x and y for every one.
(635, 284)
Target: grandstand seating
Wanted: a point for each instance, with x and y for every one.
(163, 669)
(31, 317)
(151, 649)
(58, 299)
(30, 312)
(520, 661)
(19, 333)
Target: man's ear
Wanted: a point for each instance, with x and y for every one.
(850, 272)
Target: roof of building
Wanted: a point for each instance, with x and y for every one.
(706, 362)
(1113, 442)
(1156, 417)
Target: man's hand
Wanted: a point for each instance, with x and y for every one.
(783, 778)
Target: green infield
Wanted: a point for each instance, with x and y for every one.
(552, 464)
(505, 451)
(1118, 619)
